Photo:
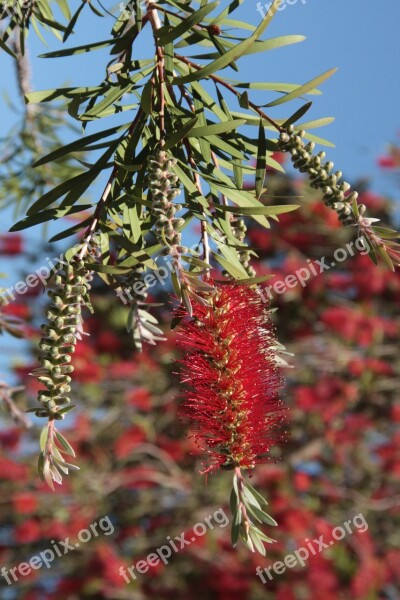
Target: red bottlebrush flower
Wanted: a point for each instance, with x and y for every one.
(387, 162)
(25, 503)
(231, 377)
(11, 244)
(28, 531)
(128, 441)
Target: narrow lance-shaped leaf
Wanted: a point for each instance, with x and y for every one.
(303, 89)
(166, 34)
(261, 159)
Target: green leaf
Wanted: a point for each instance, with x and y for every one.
(216, 128)
(54, 26)
(49, 215)
(249, 498)
(235, 485)
(246, 539)
(73, 21)
(263, 46)
(57, 192)
(94, 10)
(6, 49)
(77, 145)
(131, 216)
(220, 63)
(80, 49)
(63, 411)
(303, 89)
(169, 61)
(176, 284)
(318, 140)
(258, 210)
(260, 515)
(385, 232)
(34, 22)
(62, 93)
(71, 230)
(75, 186)
(256, 495)
(220, 145)
(110, 97)
(275, 87)
(189, 185)
(261, 160)
(235, 530)
(385, 257)
(41, 464)
(268, 18)
(247, 203)
(193, 260)
(186, 301)
(43, 438)
(208, 101)
(233, 501)
(238, 174)
(233, 22)
(63, 4)
(298, 114)
(166, 34)
(230, 261)
(175, 137)
(315, 123)
(244, 100)
(67, 448)
(257, 543)
(110, 269)
(227, 11)
(262, 535)
(146, 101)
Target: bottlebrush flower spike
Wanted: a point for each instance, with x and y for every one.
(232, 385)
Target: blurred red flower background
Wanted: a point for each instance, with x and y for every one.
(140, 468)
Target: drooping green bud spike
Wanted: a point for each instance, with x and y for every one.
(320, 174)
(239, 230)
(64, 327)
(164, 187)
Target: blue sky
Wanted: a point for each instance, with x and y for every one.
(359, 37)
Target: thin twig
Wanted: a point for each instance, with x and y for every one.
(203, 225)
(6, 393)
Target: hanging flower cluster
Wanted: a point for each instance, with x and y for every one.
(232, 386)
(232, 378)
(239, 230)
(379, 241)
(64, 327)
(164, 187)
(319, 173)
